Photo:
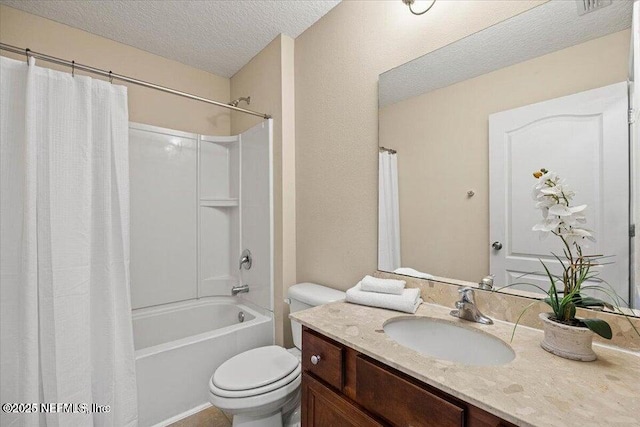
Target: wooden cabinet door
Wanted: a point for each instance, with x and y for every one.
(322, 407)
(402, 402)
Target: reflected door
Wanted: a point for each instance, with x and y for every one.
(583, 138)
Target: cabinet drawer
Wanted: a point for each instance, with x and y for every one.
(401, 402)
(322, 407)
(328, 356)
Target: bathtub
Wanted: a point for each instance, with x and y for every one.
(179, 346)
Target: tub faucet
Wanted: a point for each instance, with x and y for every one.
(467, 310)
(240, 289)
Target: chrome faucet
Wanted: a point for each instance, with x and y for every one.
(240, 289)
(467, 310)
(245, 260)
(486, 283)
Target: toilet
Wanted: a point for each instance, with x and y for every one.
(261, 387)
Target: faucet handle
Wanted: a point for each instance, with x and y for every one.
(245, 260)
(466, 295)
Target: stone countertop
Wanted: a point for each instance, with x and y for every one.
(535, 389)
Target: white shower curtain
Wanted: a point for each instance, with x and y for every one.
(66, 334)
(388, 213)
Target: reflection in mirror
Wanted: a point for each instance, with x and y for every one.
(463, 128)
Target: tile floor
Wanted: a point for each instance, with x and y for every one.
(210, 417)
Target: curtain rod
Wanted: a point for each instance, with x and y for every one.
(113, 76)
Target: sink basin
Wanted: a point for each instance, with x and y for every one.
(448, 341)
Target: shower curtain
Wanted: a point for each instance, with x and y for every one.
(388, 213)
(65, 326)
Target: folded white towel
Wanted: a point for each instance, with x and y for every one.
(385, 286)
(406, 271)
(407, 302)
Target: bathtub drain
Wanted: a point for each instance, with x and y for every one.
(241, 316)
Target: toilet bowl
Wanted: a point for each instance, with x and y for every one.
(261, 387)
(256, 385)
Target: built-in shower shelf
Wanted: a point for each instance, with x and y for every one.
(218, 203)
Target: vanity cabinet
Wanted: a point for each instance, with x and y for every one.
(341, 387)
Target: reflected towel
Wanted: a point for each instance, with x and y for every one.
(408, 302)
(406, 271)
(385, 286)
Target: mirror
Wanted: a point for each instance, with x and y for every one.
(462, 130)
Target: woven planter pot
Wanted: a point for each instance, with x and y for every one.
(570, 342)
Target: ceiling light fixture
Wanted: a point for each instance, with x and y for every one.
(410, 3)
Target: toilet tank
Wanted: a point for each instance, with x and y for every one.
(307, 295)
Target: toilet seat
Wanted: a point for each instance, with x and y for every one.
(255, 372)
(257, 390)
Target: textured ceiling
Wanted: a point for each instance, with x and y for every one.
(216, 36)
(547, 28)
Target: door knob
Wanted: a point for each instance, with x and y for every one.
(496, 245)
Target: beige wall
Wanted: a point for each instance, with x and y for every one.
(443, 149)
(338, 61)
(268, 79)
(145, 105)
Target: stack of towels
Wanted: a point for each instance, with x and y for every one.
(385, 293)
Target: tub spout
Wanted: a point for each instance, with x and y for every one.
(241, 289)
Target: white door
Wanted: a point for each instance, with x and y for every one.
(582, 137)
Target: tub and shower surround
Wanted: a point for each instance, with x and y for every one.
(196, 203)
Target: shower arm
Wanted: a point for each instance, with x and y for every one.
(235, 102)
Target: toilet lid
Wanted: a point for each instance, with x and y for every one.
(255, 368)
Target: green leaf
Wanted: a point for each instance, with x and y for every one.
(586, 301)
(598, 326)
(554, 306)
(570, 311)
(520, 317)
(544, 291)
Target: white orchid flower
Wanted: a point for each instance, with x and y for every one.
(546, 226)
(551, 191)
(559, 210)
(577, 236)
(576, 217)
(553, 197)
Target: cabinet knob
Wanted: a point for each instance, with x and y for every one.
(315, 359)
